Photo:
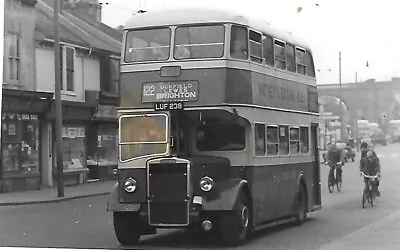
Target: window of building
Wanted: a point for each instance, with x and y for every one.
(301, 61)
(304, 145)
(310, 64)
(199, 42)
(272, 140)
(12, 57)
(255, 47)
(294, 141)
(114, 65)
(74, 145)
(220, 137)
(20, 143)
(280, 55)
(106, 151)
(291, 62)
(268, 50)
(239, 43)
(283, 140)
(259, 139)
(148, 45)
(67, 68)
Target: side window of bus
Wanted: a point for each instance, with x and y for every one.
(294, 141)
(280, 57)
(310, 64)
(272, 140)
(255, 47)
(259, 139)
(304, 145)
(301, 61)
(239, 45)
(283, 140)
(268, 50)
(291, 62)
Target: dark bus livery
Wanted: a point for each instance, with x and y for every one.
(218, 121)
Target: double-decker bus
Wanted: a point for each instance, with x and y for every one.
(218, 121)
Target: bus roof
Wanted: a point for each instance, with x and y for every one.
(204, 15)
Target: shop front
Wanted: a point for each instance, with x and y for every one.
(103, 143)
(23, 115)
(76, 119)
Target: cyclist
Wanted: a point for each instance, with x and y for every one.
(370, 165)
(334, 156)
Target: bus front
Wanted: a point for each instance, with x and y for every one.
(172, 84)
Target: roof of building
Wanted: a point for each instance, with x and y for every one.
(74, 30)
(204, 15)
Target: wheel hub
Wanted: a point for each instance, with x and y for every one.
(245, 217)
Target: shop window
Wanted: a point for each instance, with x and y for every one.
(74, 147)
(106, 152)
(20, 133)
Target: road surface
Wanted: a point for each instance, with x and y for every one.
(85, 223)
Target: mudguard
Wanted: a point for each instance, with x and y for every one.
(114, 205)
(226, 194)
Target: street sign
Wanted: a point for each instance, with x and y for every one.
(336, 117)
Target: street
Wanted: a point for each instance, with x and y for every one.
(84, 223)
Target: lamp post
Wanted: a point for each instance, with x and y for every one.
(58, 110)
(341, 115)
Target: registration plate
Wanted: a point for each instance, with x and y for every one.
(166, 106)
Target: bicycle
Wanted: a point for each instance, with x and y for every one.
(332, 180)
(369, 193)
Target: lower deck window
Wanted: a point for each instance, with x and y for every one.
(218, 137)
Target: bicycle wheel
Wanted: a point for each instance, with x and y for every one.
(339, 182)
(364, 199)
(331, 185)
(371, 198)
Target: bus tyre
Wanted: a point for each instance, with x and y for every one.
(234, 225)
(126, 227)
(301, 206)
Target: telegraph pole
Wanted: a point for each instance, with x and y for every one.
(58, 110)
(342, 125)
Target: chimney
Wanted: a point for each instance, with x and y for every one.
(87, 10)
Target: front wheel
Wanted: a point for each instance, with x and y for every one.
(339, 182)
(127, 227)
(234, 225)
(331, 183)
(364, 199)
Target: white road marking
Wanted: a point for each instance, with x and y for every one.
(394, 155)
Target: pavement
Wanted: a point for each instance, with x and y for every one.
(50, 195)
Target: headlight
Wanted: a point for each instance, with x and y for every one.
(206, 184)
(130, 185)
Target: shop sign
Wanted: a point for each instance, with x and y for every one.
(23, 117)
(105, 111)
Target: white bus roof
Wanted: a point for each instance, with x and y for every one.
(201, 16)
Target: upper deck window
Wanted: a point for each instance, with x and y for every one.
(239, 43)
(310, 64)
(280, 57)
(255, 47)
(301, 61)
(147, 45)
(199, 42)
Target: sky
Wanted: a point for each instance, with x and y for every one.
(363, 30)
